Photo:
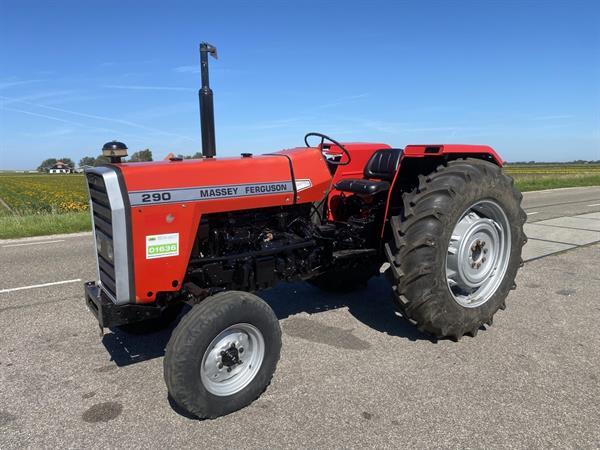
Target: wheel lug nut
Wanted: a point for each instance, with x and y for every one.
(220, 365)
(485, 250)
(478, 265)
(229, 369)
(473, 265)
(483, 259)
(483, 244)
(241, 350)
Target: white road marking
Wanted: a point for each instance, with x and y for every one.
(33, 243)
(33, 286)
(595, 204)
(532, 213)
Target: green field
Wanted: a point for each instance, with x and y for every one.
(534, 177)
(35, 205)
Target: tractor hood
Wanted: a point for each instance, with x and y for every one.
(289, 176)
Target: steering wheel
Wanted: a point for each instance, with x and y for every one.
(333, 141)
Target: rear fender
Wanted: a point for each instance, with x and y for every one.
(452, 150)
(432, 154)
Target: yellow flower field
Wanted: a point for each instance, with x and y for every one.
(31, 194)
(552, 169)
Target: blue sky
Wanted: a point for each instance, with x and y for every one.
(522, 76)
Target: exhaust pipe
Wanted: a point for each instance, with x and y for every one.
(205, 95)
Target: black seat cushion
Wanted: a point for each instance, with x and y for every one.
(383, 164)
(365, 187)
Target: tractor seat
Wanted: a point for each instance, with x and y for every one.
(382, 166)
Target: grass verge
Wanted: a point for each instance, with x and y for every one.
(527, 183)
(18, 226)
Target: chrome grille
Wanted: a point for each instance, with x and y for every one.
(103, 230)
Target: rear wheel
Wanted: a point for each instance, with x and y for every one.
(223, 354)
(456, 248)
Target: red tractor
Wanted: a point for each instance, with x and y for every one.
(442, 222)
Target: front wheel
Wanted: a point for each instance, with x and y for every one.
(223, 354)
(455, 249)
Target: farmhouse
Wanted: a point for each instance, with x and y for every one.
(59, 167)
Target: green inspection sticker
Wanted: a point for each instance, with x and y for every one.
(162, 245)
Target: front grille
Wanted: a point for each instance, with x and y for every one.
(103, 229)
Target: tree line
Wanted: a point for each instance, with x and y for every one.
(576, 161)
(86, 161)
(92, 161)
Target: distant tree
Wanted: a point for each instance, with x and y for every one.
(101, 159)
(46, 165)
(87, 161)
(142, 155)
(196, 155)
(69, 162)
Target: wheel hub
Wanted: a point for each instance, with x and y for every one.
(232, 359)
(478, 253)
(231, 356)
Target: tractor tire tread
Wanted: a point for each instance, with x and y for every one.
(202, 324)
(413, 250)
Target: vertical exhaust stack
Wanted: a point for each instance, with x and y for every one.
(207, 113)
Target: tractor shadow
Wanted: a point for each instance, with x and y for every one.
(126, 348)
(372, 306)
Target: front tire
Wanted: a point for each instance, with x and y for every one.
(223, 354)
(445, 280)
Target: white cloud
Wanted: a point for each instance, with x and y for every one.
(343, 101)
(187, 69)
(8, 84)
(556, 117)
(136, 87)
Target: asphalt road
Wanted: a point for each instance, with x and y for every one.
(561, 219)
(543, 205)
(351, 373)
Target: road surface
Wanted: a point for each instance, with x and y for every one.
(351, 373)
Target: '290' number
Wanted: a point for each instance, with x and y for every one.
(156, 197)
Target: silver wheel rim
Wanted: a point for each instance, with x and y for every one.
(478, 254)
(232, 359)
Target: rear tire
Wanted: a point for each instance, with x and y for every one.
(223, 354)
(438, 217)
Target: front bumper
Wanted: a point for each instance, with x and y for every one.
(110, 315)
